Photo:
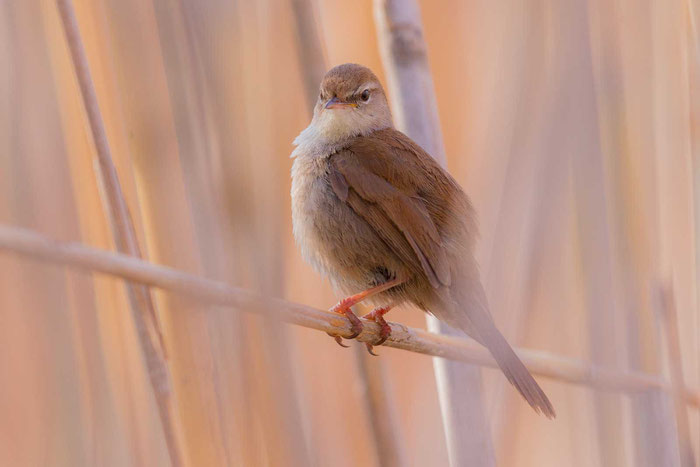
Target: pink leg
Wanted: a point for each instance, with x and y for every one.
(343, 307)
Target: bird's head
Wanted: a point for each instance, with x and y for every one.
(351, 103)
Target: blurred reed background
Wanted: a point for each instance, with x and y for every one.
(573, 125)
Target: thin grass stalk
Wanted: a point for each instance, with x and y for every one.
(693, 17)
(31, 244)
(592, 226)
(381, 409)
(311, 56)
(648, 416)
(404, 54)
(288, 431)
(143, 308)
(528, 215)
(669, 319)
(244, 387)
(230, 411)
(694, 100)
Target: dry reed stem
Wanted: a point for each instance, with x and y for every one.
(32, 244)
(310, 48)
(404, 54)
(143, 308)
(667, 311)
(381, 410)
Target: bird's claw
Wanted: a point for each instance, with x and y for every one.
(355, 323)
(377, 315)
(369, 349)
(384, 328)
(338, 339)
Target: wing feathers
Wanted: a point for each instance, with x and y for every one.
(401, 219)
(339, 185)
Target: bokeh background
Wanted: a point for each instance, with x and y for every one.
(573, 125)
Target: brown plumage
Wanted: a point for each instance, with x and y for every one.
(370, 206)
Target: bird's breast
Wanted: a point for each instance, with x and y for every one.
(331, 236)
(310, 202)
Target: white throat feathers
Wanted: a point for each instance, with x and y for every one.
(330, 129)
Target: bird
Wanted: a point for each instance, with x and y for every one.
(377, 216)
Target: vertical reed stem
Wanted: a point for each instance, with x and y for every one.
(381, 410)
(404, 54)
(310, 48)
(143, 308)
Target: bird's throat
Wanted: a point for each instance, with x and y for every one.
(331, 130)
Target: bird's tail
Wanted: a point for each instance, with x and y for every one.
(516, 372)
(470, 314)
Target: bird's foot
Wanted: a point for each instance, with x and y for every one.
(377, 315)
(343, 308)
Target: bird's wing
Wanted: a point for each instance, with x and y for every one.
(409, 200)
(397, 213)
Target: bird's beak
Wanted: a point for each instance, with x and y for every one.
(336, 103)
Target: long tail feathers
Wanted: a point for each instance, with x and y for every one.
(516, 372)
(466, 308)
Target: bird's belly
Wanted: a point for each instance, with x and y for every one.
(337, 242)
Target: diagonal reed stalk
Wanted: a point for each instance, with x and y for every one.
(142, 306)
(31, 244)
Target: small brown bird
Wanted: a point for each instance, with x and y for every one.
(377, 215)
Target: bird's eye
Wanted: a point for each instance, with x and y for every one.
(365, 95)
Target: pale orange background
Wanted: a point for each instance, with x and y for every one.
(573, 125)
